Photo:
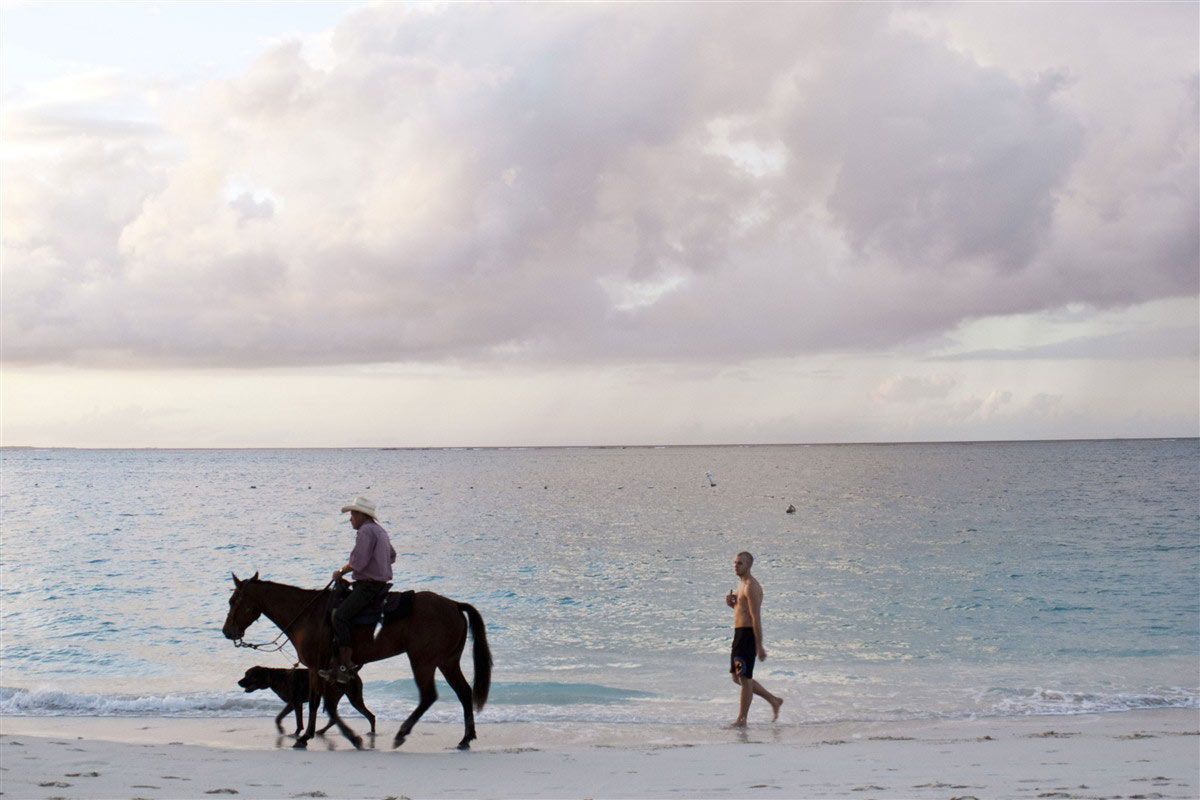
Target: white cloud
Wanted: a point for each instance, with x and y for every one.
(633, 295)
(811, 399)
(1165, 329)
(907, 388)
(967, 190)
(459, 180)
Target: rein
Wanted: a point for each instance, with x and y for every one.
(275, 645)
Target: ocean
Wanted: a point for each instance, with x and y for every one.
(913, 581)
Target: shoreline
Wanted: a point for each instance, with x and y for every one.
(1154, 754)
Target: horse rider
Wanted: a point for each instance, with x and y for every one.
(371, 563)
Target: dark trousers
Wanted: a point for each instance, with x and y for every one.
(362, 593)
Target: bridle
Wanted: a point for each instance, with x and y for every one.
(275, 645)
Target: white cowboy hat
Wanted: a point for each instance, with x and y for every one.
(362, 505)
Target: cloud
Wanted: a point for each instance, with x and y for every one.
(905, 388)
(100, 427)
(926, 412)
(1125, 345)
(595, 183)
(248, 207)
(939, 162)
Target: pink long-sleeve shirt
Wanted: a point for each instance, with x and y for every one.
(373, 554)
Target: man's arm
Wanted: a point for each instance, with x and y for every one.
(358, 556)
(755, 604)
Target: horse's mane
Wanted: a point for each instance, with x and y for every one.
(278, 585)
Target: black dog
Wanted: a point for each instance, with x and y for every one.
(292, 687)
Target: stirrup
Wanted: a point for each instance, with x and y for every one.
(338, 673)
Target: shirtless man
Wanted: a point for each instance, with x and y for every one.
(746, 603)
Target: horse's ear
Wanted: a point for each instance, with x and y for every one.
(255, 576)
(236, 582)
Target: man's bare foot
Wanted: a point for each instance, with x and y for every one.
(775, 708)
(738, 723)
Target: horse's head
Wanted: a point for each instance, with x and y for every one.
(243, 608)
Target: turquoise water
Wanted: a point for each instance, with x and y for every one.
(913, 580)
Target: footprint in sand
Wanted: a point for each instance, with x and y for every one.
(83, 774)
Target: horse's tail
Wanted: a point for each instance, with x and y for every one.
(482, 656)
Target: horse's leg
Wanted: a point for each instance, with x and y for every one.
(423, 674)
(332, 695)
(452, 672)
(314, 705)
(298, 706)
(355, 695)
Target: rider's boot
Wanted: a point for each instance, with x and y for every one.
(346, 667)
(344, 670)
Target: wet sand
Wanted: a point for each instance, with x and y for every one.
(1139, 755)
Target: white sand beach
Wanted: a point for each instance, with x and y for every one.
(1136, 755)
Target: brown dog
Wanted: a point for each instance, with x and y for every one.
(292, 687)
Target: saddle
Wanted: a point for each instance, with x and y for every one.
(388, 606)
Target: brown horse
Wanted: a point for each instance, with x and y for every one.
(433, 635)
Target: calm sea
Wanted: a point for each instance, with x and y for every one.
(912, 581)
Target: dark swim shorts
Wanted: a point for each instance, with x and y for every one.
(745, 650)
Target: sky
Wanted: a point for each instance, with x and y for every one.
(453, 224)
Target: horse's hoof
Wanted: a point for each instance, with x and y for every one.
(301, 744)
(399, 740)
(464, 745)
(357, 742)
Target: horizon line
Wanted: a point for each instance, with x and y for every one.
(611, 446)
